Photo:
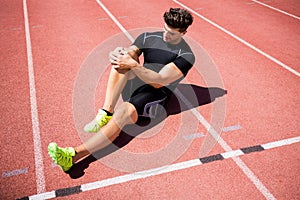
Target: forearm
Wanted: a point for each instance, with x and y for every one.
(148, 76)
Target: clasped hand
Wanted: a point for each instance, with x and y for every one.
(120, 59)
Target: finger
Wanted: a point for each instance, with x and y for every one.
(113, 58)
(118, 49)
(114, 62)
(123, 52)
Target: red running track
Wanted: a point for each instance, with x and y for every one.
(262, 97)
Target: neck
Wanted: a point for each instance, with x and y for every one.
(176, 41)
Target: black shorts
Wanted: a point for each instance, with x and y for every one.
(147, 100)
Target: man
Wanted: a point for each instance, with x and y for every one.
(167, 60)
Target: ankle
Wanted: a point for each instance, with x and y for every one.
(108, 112)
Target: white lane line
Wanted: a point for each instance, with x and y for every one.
(281, 143)
(140, 175)
(183, 165)
(38, 157)
(45, 195)
(115, 20)
(161, 170)
(241, 40)
(230, 154)
(214, 133)
(276, 9)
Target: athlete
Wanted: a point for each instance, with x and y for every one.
(167, 60)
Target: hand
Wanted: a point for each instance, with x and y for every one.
(125, 62)
(113, 55)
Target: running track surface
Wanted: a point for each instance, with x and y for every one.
(255, 48)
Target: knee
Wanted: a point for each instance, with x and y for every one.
(123, 72)
(126, 114)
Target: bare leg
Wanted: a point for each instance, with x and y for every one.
(116, 82)
(125, 114)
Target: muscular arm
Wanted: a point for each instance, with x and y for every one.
(129, 60)
(168, 74)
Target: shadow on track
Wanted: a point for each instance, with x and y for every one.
(196, 95)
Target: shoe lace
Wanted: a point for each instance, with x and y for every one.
(63, 158)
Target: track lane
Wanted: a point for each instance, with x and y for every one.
(65, 34)
(250, 66)
(17, 157)
(164, 170)
(292, 7)
(93, 168)
(278, 169)
(277, 10)
(253, 19)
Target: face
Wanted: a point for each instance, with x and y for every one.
(172, 35)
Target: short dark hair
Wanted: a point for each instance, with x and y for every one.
(178, 18)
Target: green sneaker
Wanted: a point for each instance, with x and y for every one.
(61, 156)
(100, 120)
